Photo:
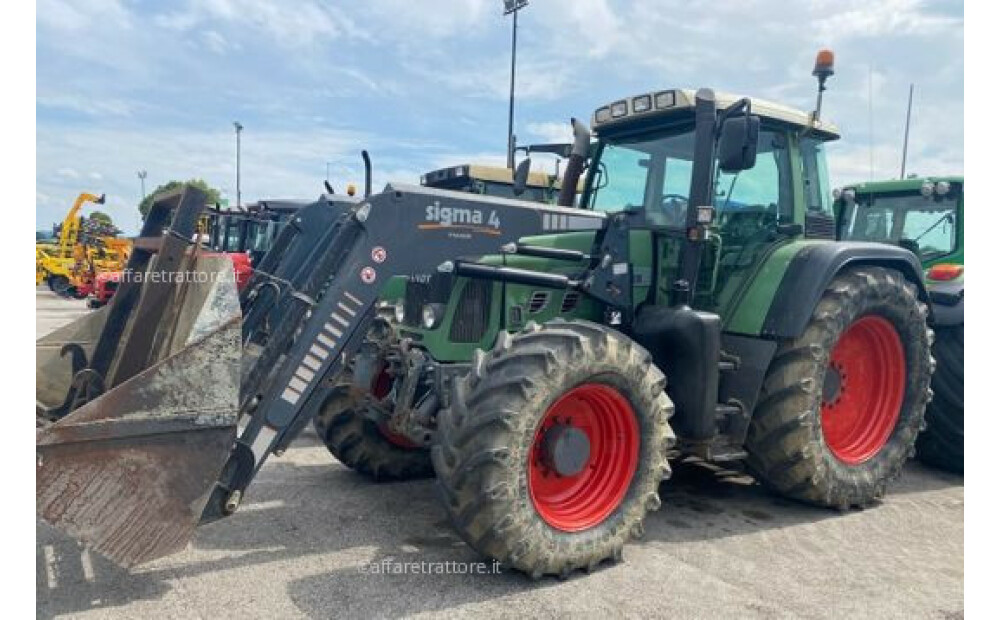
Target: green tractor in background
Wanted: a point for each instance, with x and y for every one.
(924, 215)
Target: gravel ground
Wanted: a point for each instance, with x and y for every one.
(315, 540)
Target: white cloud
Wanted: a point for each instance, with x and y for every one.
(425, 85)
(217, 43)
(865, 19)
(82, 15)
(92, 106)
(406, 21)
(551, 131)
(288, 26)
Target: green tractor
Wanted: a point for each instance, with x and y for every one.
(550, 360)
(805, 358)
(925, 216)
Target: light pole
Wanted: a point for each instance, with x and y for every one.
(239, 130)
(142, 182)
(512, 6)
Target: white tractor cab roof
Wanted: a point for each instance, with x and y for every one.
(496, 174)
(665, 104)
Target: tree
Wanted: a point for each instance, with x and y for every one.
(101, 216)
(211, 192)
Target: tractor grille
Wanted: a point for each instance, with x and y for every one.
(539, 299)
(820, 226)
(570, 301)
(473, 312)
(434, 290)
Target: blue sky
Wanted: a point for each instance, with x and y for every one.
(124, 85)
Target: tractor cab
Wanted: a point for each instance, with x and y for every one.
(641, 167)
(252, 230)
(644, 161)
(923, 215)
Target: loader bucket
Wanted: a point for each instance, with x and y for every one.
(130, 471)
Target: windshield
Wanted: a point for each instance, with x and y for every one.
(926, 226)
(652, 172)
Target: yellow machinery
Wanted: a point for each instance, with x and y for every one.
(55, 263)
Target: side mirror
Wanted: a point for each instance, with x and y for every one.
(521, 176)
(738, 143)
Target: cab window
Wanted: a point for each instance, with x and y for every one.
(815, 181)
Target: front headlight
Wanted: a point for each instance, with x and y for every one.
(399, 312)
(431, 315)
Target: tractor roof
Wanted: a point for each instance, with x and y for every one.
(664, 104)
(496, 174)
(901, 185)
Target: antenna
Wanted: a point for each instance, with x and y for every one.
(871, 128)
(906, 134)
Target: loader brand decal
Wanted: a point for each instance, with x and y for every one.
(379, 254)
(482, 221)
(324, 345)
(368, 275)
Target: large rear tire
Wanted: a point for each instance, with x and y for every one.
(360, 444)
(842, 404)
(942, 444)
(553, 447)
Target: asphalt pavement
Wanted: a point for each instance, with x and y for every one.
(315, 540)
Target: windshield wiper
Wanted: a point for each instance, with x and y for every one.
(946, 216)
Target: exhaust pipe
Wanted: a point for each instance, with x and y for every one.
(368, 173)
(574, 168)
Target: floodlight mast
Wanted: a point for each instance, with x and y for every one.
(512, 6)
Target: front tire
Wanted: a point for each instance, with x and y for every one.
(942, 444)
(60, 286)
(842, 404)
(360, 444)
(553, 447)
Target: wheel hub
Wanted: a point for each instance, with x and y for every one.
(565, 449)
(584, 454)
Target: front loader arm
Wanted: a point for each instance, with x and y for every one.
(323, 318)
(140, 460)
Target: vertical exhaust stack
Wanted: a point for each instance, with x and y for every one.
(368, 173)
(577, 160)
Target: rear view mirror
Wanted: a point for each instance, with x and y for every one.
(521, 176)
(738, 143)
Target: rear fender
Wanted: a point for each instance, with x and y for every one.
(810, 271)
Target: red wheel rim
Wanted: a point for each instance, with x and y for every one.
(863, 390)
(577, 502)
(382, 387)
